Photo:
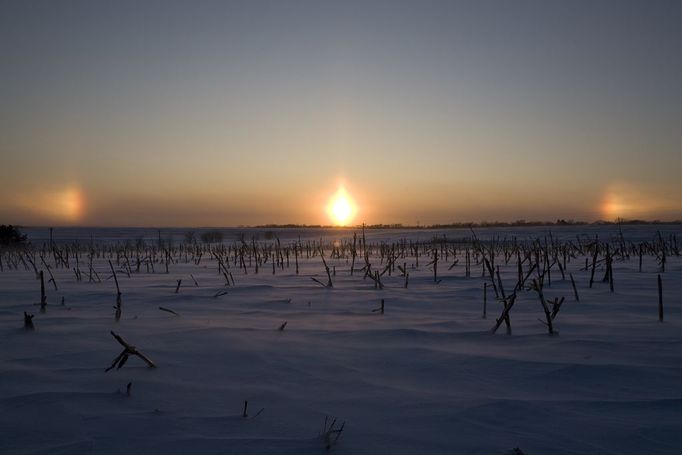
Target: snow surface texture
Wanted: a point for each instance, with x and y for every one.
(425, 377)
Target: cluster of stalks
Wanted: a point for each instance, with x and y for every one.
(533, 265)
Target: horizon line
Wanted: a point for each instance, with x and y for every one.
(453, 225)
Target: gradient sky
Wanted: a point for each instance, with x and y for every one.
(217, 113)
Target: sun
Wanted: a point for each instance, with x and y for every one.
(341, 209)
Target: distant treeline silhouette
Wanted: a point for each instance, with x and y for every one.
(10, 235)
(471, 224)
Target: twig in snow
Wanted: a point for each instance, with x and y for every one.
(379, 310)
(508, 303)
(118, 306)
(537, 287)
(28, 321)
(43, 297)
(575, 290)
(128, 350)
(245, 414)
(330, 433)
(168, 310)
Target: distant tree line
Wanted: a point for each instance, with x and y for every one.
(470, 224)
(10, 235)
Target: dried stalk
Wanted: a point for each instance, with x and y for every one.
(128, 350)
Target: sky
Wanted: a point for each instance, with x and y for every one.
(219, 113)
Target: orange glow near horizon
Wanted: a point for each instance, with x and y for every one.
(627, 201)
(613, 206)
(66, 205)
(341, 208)
(69, 204)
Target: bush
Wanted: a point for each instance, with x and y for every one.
(10, 235)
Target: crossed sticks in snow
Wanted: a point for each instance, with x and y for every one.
(128, 350)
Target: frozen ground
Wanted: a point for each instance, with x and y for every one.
(426, 377)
